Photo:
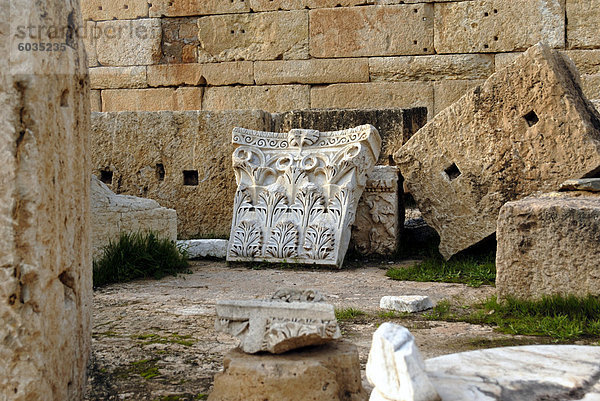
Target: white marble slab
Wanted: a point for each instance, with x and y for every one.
(539, 372)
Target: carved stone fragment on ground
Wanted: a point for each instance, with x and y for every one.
(298, 192)
(526, 129)
(549, 245)
(376, 229)
(406, 303)
(277, 325)
(396, 368)
(329, 372)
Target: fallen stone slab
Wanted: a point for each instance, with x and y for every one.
(298, 192)
(202, 248)
(395, 367)
(406, 303)
(328, 372)
(584, 184)
(527, 129)
(535, 372)
(549, 245)
(113, 214)
(276, 326)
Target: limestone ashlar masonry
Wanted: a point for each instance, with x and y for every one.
(46, 272)
(371, 31)
(490, 26)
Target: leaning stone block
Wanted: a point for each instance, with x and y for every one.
(526, 129)
(113, 214)
(406, 303)
(376, 229)
(297, 193)
(329, 372)
(277, 326)
(548, 245)
(396, 368)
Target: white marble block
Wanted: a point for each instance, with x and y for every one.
(396, 368)
(377, 226)
(202, 248)
(406, 303)
(279, 324)
(298, 192)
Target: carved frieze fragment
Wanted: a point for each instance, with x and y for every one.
(377, 226)
(277, 325)
(298, 192)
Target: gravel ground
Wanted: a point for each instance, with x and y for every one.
(154, 340)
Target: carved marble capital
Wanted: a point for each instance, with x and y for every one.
(298, 192)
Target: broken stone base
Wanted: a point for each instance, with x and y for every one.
(406, 303)
(549, 245)
(329, 372)
(113, 214)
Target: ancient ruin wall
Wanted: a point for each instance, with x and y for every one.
(45, 264)
(281, 55)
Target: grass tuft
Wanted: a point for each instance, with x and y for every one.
(138, 255)
(561, 318)
(348, 313)
(472, 271)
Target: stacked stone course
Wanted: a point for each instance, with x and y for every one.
(281, 55)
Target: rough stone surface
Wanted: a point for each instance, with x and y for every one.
(254, 36)
(395, 126)
(128, 42)
(99, 10)
(535, 372)
(485, 26)
(315, 71)
(148, 153)
(431, 68)
(329, 372)
(379, 218)
(527, 129)
(272, 98)
(446, 92)
(152, 99)
(378, 95)
(298, 192)
(169, 8)
(45, 273)
(406, 303)
(277, 326)
(118, 77)
(549, 245)
(395, 367)
(202, 248)
(213, 74)
(113, 214)
(583, 30)
(585, 184)
(371, 31)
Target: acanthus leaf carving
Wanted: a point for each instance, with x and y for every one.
(246, 240)
(283, 242)
(318, 242)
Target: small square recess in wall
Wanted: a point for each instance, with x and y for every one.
(190, 177)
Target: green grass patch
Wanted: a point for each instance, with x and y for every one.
(560, 318)
(470, 270)
(348, 314)
(148, 339)
(392, 314)
(145, 368)
(138, 255)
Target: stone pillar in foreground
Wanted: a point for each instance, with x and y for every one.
(45, 265)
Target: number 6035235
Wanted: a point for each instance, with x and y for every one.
(42, 47)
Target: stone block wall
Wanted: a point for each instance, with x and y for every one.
(182, 159)
(281, 55)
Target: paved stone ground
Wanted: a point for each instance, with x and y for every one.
(154, 340)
